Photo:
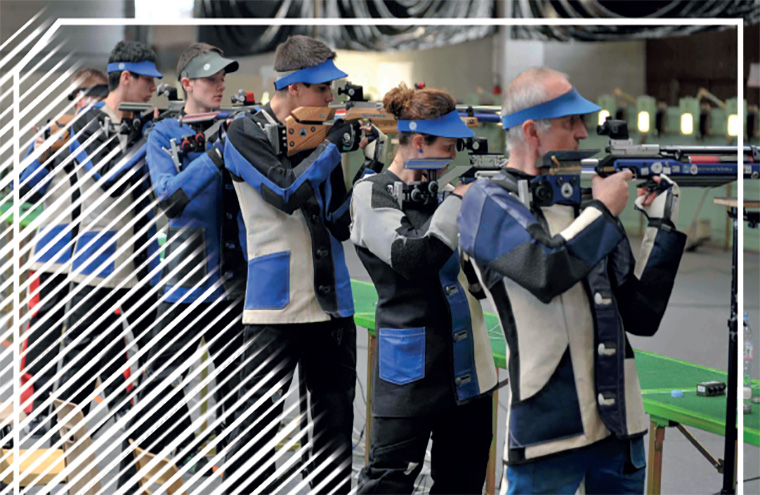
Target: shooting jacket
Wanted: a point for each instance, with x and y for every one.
(205, 240)
(567, 289)
(296, 216)
(116, 244)
(53, 184)
(433, 346)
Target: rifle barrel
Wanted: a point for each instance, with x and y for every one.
(696, 150)
(479, 108)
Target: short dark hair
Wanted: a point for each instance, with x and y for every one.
(299, 52)
(128, 51)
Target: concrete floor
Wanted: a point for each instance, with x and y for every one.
(694, 329)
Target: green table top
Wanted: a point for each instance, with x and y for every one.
(658, 375)
(7, 215)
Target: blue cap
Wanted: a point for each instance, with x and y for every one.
(144, 68)
(316, 74)
(570, 103)
(449, 125)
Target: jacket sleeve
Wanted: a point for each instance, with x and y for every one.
(101, 154)
(175, 189)
(35, 177)
(506, 240)
(337, 205)
(642, 288)
(248, 155)
(379, 225)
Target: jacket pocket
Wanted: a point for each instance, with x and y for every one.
(87, 259)
(268, 282)
(402, 354)
(183, 244)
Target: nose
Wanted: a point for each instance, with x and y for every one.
(329, 98)
(580, 132)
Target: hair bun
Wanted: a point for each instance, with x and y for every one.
(398, 100)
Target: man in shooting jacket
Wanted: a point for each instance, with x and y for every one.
(116, 252)
(567, 288)
(48, 179)
(203, 280)
(298, 303)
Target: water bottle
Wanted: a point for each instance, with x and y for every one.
(748, 354)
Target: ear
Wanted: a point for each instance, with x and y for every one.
(294, 89)
(530, 132)
(125, 78)
(417, 141)
(186, 84)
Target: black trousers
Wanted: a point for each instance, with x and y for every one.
(326, 354)
(40, 337)
(224, 337)
(84, 354)
(459, 456)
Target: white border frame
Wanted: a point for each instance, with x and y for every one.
(15, 73)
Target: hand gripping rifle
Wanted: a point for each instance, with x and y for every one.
(688, 166)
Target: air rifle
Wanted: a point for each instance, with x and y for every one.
(306, 127)
(144, 113)
(688, 166)
(483, 164)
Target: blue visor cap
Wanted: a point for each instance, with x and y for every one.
(316, 74)
(449, 125)
(144, 68)
(570, 103)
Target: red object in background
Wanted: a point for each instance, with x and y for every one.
(496, 89)
(33, 306)
(419, 85)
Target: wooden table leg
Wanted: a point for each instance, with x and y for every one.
(492, 457)
(654, 469)
(371, 348)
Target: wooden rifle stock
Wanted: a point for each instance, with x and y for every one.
(306, 127)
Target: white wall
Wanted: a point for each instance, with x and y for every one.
(594, 68)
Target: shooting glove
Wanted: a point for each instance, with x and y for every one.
(345, 135)
(664, 208)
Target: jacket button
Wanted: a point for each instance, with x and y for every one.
(315, 218)
(606, 349)
(228, 215)
(321, 253)
(600, 300)
(230, 245)
(604, 401)
(325, 289)
(450, 289)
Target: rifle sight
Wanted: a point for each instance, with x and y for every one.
(354, 92)
(615, 129)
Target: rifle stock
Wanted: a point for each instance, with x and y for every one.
(306, 127)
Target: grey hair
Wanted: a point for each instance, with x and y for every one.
(524, 92)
